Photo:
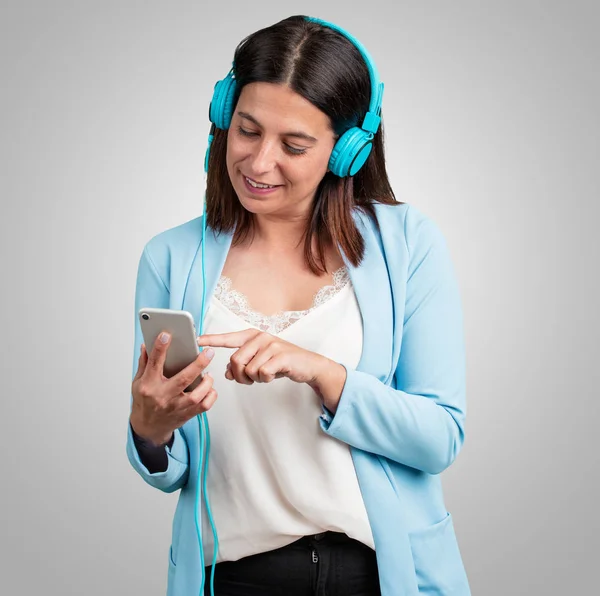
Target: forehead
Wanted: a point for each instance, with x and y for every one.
(277, 107)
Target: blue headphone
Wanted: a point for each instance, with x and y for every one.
(347, 157)
(351, 149)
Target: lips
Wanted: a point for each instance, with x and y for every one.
(256, 192)
(259, 182)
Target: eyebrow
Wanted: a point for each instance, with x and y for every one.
(292, 133)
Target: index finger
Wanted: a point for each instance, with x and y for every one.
(158, 355)
(235, 339)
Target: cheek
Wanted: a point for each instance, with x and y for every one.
(317, 168)
(234, 154)
(230, 146)
(234, 144)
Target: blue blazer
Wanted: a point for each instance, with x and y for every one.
(402, 411)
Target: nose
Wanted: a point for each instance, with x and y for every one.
(264, 157)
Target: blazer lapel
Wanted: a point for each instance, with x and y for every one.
(374, 295)
(216, 249)
(373, 290)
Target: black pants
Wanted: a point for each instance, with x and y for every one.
(328, 564)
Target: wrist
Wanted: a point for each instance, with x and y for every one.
(329, 382)
(157, 439)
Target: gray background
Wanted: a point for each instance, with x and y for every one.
(491, 117)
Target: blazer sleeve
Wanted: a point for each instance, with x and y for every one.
(420, 422)
(152, 291)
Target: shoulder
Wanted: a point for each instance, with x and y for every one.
(175, 244)
(181, 237)
(406, 224)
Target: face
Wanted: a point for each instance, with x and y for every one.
(280, 139)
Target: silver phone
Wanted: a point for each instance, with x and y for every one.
(183, 349)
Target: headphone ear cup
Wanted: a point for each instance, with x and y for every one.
(221, 105)
(350, 152)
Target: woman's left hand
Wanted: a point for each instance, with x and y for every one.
(262, 357)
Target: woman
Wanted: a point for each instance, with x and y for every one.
(333, 339)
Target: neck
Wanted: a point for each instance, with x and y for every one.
(279, 234)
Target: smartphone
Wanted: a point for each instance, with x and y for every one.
(183, 349)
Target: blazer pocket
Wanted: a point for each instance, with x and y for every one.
(438, 563)
(171, 573)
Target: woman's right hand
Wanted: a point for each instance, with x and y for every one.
(160, 405)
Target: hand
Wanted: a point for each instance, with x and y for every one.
(262, 357)
(160, 405)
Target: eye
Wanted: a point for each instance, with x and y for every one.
(246, 133)
(295, 151)
(290, 149)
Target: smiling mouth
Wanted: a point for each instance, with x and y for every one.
(259, 185)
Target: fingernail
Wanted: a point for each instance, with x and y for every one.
(164, 338)
(210, 353)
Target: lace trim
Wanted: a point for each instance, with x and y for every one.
(237, 303)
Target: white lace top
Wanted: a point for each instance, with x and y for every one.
(274, 475)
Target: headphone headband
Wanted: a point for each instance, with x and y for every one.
(370, 124)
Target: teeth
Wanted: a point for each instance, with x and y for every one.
(256, 185)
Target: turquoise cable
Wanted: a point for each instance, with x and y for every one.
(212, 524)
(204, 430)
(196, 513)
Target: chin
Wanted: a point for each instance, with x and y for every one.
(254, 205)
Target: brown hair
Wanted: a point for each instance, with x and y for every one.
(327, 69)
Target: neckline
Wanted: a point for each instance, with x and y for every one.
(237, 303)
(340, 279)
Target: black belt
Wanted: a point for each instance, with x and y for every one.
(325, 537)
